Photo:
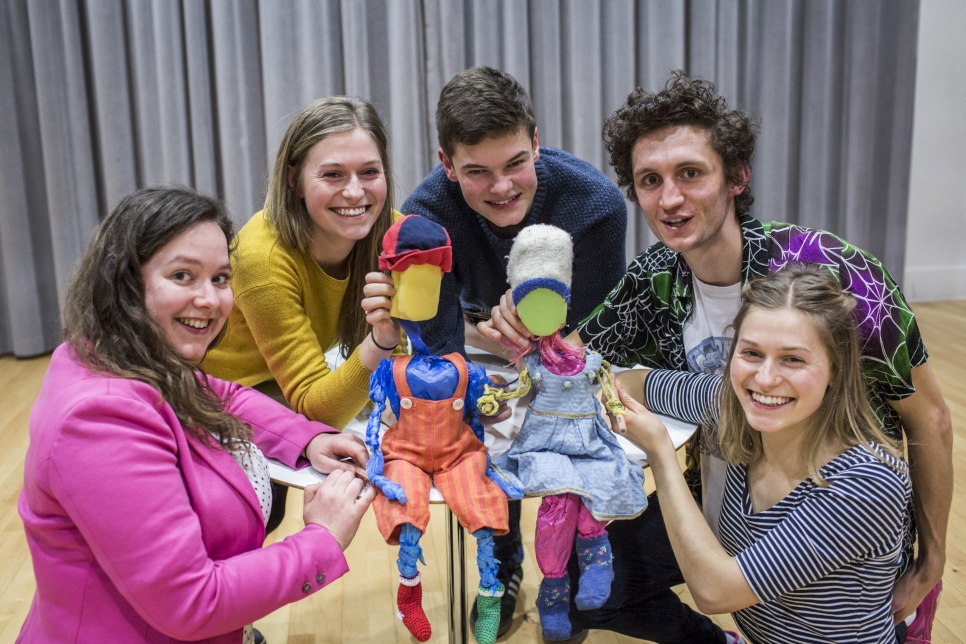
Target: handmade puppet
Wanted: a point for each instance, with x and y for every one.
(438, 438)
(564, 451)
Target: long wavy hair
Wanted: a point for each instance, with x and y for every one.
(290, 217)
(106, 321)
(844, 416)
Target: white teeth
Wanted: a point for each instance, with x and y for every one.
(195, 324)
(675, 222)
(770, 401)
(350, 212)
(500, 203)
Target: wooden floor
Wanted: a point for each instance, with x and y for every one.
(360, 607)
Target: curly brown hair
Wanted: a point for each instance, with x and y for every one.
(683, 101)
(106, 321)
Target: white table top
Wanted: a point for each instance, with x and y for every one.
(498, 437)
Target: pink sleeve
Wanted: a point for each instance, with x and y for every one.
(119, 466)
(278, 431)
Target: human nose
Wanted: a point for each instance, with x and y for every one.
(767, 374)
(503, 185)
(206, 296)
(671, 196)
(353, 189)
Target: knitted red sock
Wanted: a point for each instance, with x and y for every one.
(409, 600)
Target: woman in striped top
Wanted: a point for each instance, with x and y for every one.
(812, 523)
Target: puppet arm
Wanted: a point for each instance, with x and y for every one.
(478, 383)
(489, 401)
(381, 379)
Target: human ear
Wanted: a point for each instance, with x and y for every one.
(447, 165)
(536, 146)
(293, 181)
(744, 176)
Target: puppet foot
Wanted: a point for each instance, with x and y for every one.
(409, 600)
(553, 603)
(596, 572)
(488, 614)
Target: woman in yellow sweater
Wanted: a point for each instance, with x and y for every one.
(300, 267)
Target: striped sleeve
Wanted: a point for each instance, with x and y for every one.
(687, 396)
(850, 520)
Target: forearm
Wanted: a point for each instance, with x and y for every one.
(713, 576)
(928, 427)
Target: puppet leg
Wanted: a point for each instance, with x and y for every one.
(596, 561)
(409, 598)
(556, 524)
(490, 591)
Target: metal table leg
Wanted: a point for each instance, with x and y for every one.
(456, 576)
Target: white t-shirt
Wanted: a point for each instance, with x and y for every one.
(707, 340)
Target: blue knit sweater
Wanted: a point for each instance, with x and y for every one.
(571, 194)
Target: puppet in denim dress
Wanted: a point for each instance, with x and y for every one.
(564, 451)
(437, 439)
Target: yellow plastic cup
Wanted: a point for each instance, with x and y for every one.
(417, 292)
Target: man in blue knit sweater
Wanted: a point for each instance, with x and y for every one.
(493, 181)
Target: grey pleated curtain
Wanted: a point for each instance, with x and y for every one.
(100, 97)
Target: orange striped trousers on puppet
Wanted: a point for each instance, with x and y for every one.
(431, 444)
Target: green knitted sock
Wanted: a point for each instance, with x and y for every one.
(488, 609)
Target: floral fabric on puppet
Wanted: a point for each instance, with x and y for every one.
(564, 451)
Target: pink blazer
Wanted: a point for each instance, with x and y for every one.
(139, 533)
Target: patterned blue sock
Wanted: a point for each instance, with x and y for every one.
(553, 603)
(596, 571)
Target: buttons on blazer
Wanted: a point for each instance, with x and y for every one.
(306, 588)
(406, 403)
(458, 404)
(320, 578)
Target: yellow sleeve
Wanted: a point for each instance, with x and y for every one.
(283, 332)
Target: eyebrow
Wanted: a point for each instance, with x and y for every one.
(336, 164)
(477, 166)
(683, 164)
(790, 348)
(182, 259)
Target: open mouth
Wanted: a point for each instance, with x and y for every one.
(677, 223)
(504, 202)
(769, 401)
(195, 323)
(351, 212)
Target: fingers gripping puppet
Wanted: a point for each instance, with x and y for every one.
(564, 451)
(438, 438)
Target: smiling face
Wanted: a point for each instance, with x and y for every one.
(780, 370)
(497, 177)
(680, 184)
(186, 289)
(344, 187)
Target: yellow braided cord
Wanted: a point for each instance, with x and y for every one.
(489, 402)
(611, 400)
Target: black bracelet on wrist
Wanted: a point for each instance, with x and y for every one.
(373, 336)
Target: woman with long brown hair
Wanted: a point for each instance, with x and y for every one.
(145, 485)
(816, 497)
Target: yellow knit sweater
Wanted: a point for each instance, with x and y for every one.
(285, 318)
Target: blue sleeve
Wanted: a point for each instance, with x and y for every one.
(599, 261)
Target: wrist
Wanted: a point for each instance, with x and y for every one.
(372, 336)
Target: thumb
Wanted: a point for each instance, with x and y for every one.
(627, 400)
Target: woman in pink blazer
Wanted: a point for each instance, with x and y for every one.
(144, 496)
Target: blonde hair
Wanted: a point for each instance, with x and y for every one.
(287, 212)
(844, 416)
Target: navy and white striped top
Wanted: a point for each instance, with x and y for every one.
(822, 561)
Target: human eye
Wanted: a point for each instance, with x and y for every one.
(181, 276)
(221, 279)
(514, 164)
(331, 175)
(649, 180)
(371, 172)
(691, 173)
(750, 354)
(794, 361)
